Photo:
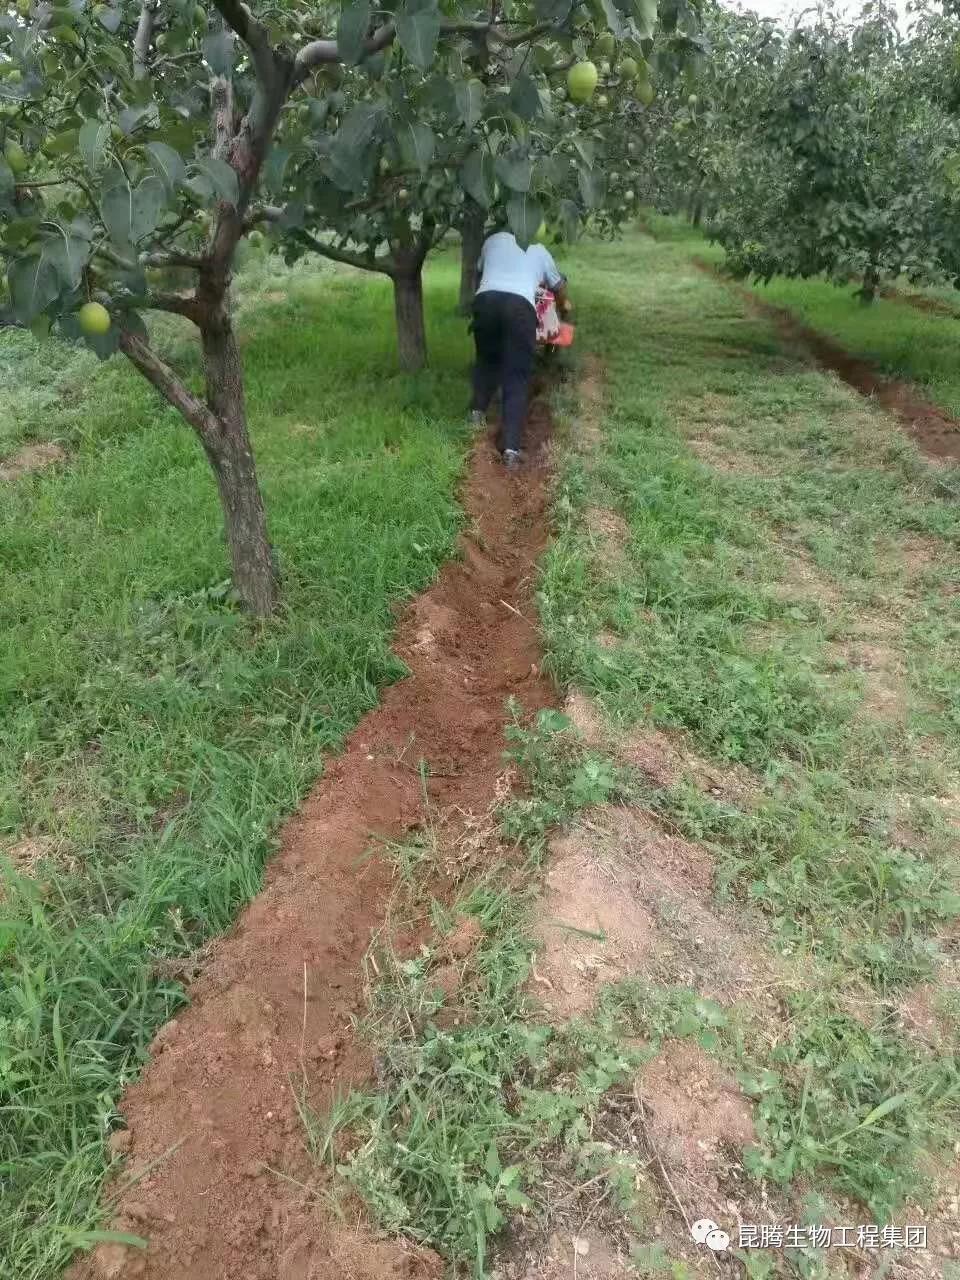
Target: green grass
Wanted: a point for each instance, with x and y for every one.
(901, 341)
(152, 738)
(713, 636)
(700, 624)
(40, 383)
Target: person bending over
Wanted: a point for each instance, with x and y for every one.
(505, 330)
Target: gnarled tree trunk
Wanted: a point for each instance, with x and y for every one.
(871, 283)
(471, 242)
(221, 424)
(408, 308)
(231, 456)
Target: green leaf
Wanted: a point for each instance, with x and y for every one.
(149, 202)
(889, 1104)
(168, 163)
(69, 254)
(65, 143)
(131, 118)
(33, 285)
(218, 52)
(492, 1162)
(516, 1199)
(19, 232)
(556, 11)
(645, 14)
(524, 215)
(585, 150)
(274, 169)
(87, 1239)
(92, 141)
(418, 30)
(222, 178)
(469, 96)
(514, 170)
(417, 144)
(116, 206)
(525, 97)
(687, 1024)
(592, 187)
(360, 125)
(352, 28)
(131, 213)
(612, 17)
(104, 344)
(7, 181)
(109, 18)
(477, 177)
(133, 323)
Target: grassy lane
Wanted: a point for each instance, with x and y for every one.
(757, 561)
(703, 961)
(901, 341)
(151, 739)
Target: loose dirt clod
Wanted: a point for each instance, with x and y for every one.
(217, 1168)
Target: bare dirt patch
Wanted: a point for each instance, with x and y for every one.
(591, 927)
(27, 855)
(698, 1120)
(587, 429)
(881, 669)
(724, 458)
(920, 302)
(665, 756)
(610, 532)
(587, 1255)
(31, 457)
(624, 898)
(216, 1176)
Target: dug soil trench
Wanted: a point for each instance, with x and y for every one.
(217, 1177)
(937, 434)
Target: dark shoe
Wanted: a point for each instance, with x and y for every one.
(511, 459)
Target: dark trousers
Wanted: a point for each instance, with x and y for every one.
(505, 333)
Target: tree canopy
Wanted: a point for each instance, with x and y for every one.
(832, 147)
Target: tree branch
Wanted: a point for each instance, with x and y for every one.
(344, 256)
(180, 304)
(321, 52)
(171, 258)
(142, 40)
(532, 33)
(159, 374)
(253, 34)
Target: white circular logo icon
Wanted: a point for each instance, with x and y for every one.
(702, 1228)
(706, 1231)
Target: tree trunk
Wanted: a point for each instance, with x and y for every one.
(471, 242)
(408, 307)
(871, 282)
(230, 454)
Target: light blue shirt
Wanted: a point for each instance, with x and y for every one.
(506, 268)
